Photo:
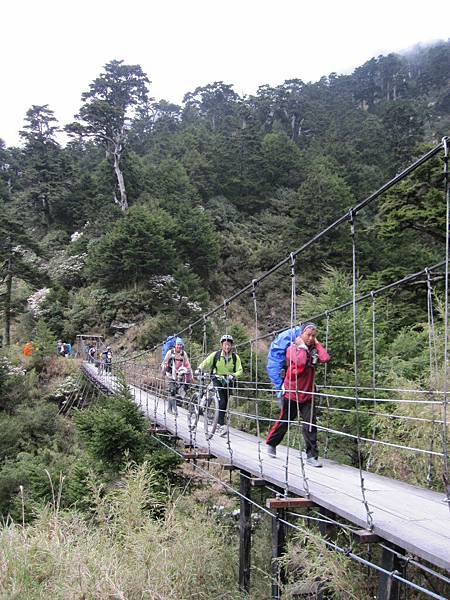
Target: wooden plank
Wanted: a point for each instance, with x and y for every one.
(257, 482)
(197, 455)
(365, 536)
(228, 467)
(156, 429)
(289, 503)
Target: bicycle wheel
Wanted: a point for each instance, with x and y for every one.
(211, 413)
(193, 412)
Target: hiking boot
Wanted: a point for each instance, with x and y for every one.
(271, 451)
(222, 430)
(313, 461)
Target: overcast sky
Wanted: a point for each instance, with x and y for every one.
(52, 49)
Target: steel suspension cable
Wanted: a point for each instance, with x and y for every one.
(288, 401)
(258, 430)
(325, 378)
(374, 372)
(356, 373)
(228, 411)
(446, 351)
(299, 425)
(433, 372)
(404, 280)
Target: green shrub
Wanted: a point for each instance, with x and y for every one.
(44, 346)
(114, 432)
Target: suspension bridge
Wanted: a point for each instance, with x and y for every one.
(411, 523)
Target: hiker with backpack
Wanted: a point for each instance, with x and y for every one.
(106, 360)
(91, 354)
(297, 392)
(178, 370)
(225, 367)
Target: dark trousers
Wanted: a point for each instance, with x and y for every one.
(224, 394)
(289, 411)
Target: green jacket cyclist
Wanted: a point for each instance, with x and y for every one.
(225, 366)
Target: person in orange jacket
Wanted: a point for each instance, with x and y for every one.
(27, 350)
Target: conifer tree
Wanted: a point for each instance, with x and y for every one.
(114, 98)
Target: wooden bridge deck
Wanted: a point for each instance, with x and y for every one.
(413, 518)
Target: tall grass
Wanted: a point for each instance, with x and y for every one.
(122, 551)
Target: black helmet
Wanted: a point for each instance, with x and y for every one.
(226, 338)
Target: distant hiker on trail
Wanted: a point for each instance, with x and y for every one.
(27, 350)
(175, 365)
(106, 360)
(302, 357)
(91, 354)
(225, 367)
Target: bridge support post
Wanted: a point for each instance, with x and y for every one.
(278, 546)
(245, 531)
(388, 587)
(326, 529)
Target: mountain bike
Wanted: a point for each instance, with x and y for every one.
(204, 403)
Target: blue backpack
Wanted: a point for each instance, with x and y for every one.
(168, 344)
(276, 357)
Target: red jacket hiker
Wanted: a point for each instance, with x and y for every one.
(300, 372)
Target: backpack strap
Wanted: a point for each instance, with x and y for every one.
(171, 359)
(217, 357)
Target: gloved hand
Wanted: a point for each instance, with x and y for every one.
(230, 379)
(197, 372)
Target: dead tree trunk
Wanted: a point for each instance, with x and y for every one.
(117, 153)
(7, 307)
